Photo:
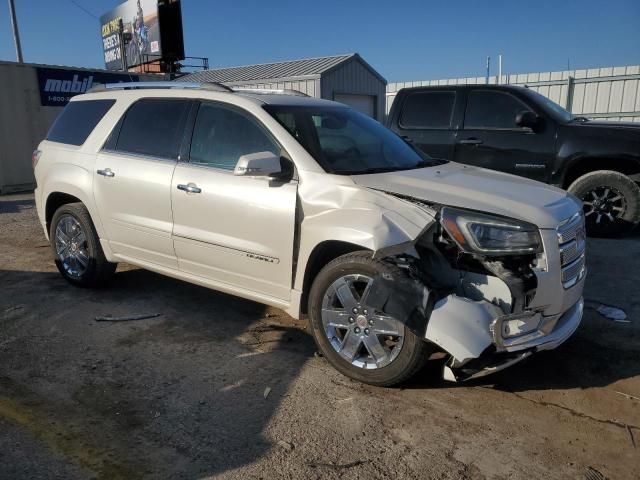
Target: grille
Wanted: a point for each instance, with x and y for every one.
(571, 229)
(570, 252)
(572, 243)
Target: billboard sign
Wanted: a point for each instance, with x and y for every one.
(137, 21)
(58, 85)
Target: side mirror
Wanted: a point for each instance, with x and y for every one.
(527, 119)
(261, 164)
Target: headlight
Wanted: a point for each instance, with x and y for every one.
(490, 235)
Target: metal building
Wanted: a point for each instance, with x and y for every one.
(343, 78)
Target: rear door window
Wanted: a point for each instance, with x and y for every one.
(492, 110)
(78, 119)
(428, 110)
(154, 127)
(222, 135)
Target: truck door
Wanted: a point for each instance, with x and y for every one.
(490, 138)
(426, 119)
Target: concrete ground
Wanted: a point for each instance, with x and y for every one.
(222, 387)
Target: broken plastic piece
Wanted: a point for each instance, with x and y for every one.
(403, 298)
(612, 313)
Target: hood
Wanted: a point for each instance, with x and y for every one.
(479, 189)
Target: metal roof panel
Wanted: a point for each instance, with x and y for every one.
(293, 68)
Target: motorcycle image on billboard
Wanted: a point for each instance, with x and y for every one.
(137, 22)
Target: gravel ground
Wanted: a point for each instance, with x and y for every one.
(218, 386)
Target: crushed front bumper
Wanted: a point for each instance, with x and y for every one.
(481, 347)
(550, 332)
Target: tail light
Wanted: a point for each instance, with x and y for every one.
(35, 156)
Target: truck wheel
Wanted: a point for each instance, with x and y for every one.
(611, 202)
(358, 341)
(76, 247)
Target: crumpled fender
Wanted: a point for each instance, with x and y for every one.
(356, 215)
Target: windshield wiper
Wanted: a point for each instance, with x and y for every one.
(369, 170)
(580, 119)
(432, 162)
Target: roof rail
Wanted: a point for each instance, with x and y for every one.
(160, 84)
(270, 91)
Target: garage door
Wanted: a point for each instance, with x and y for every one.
(361, 103)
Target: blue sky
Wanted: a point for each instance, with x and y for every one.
(403, 40)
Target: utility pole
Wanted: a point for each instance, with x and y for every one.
(16, 34)
(499, 69)
(488, 70)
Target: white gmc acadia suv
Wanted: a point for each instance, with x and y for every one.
(309, 206)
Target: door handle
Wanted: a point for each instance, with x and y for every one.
(189, 188)
(470, 141)
(106, 173)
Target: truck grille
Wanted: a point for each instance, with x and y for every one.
(572, 242)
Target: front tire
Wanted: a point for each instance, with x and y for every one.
(358, 341)
(76, 247)
(611, 202)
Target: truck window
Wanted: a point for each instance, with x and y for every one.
(77, 121)
(154, 127)
(222, 135)
(488, 110)
(427, 110)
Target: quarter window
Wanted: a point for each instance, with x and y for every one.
(77, 121)
(428, 110)
(492, 110)
(222, 135)
(154, 127)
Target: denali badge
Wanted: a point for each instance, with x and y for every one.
(255, 256)
(530, 165)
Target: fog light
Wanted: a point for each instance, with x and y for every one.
(519, 324)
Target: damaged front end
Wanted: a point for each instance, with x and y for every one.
(469, 287)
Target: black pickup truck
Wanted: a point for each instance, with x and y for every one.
(517, 130)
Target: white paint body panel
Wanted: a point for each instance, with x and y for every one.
(239, 230)
(480, 189)
(135, 206)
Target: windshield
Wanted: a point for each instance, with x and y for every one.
(552, 107)
(346, 142)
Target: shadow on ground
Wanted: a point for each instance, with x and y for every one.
(189, 393)
(16, 206)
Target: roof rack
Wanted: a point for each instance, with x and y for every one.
(270, 91)
(213, 86)
(218, 87)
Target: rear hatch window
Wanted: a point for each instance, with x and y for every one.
(77, 121)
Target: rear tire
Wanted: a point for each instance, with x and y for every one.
(389, 367)
(76, 247)
(611, 202)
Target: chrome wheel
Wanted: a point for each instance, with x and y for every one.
(71, 246)
(362, 336)
(603, 205)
